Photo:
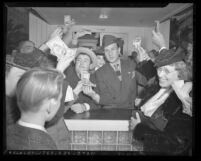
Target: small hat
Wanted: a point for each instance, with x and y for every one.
(109, 39)
(90, 53)
(169, 57)
(99, 51)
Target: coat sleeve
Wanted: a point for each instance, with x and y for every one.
(106, 97)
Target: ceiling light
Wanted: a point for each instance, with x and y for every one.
(103, 16)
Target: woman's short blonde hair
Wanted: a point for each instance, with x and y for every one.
(37, 85)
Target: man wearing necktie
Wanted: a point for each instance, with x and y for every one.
(117, 70)
(116, 80)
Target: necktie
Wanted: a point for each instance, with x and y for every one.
(117, 71)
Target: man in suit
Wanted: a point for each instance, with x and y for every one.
(116, 81)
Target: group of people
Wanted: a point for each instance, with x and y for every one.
(46, 88)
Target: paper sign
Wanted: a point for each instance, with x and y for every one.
(58, 48)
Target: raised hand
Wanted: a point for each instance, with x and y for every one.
(57, 32)
(133, 122)
(158, 39)
(88, 91)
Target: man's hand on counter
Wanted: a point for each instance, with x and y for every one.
(90, 92)
(79, 108)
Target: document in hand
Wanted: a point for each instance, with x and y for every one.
(59, 48)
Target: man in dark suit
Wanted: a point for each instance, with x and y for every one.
(116, 81)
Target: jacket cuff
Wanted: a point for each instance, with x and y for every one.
(162, 49)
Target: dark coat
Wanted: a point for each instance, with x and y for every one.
(24, 138)
(176, 136)
(116, 93)
(147, 69)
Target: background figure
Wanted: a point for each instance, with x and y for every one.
(100, 58)
(146, 67)
(133, 57)
(153, 54)
(39, 93)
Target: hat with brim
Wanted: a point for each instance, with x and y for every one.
(99, 51)
(108, 40)
(169, 57)
(90, 53)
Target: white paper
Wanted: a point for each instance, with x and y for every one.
(59, 48)
(69, 94)
(137, 42)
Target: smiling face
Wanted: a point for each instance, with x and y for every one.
(167, 74)
(82, 63)
(112, 52)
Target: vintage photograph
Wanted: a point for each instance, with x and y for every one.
(96, 79)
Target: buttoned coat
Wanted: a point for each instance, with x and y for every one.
(115, 93)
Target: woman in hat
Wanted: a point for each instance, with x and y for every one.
(162, 125)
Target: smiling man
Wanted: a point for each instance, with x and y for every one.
(116, 80)
(78, 76)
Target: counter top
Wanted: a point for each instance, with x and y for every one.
(98, 120)
(100, 114)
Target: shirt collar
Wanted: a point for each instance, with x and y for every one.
(118, 62)
(30, 125)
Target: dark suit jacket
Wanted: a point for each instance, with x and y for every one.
(116, 93)
(24, 138)
(73, 80)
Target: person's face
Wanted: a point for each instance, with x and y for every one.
(100, 60)
(82, 63)
(151, 55)
(167, 74)
(112, 52)
(27, 47)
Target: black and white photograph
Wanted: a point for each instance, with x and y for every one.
(99, 79)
